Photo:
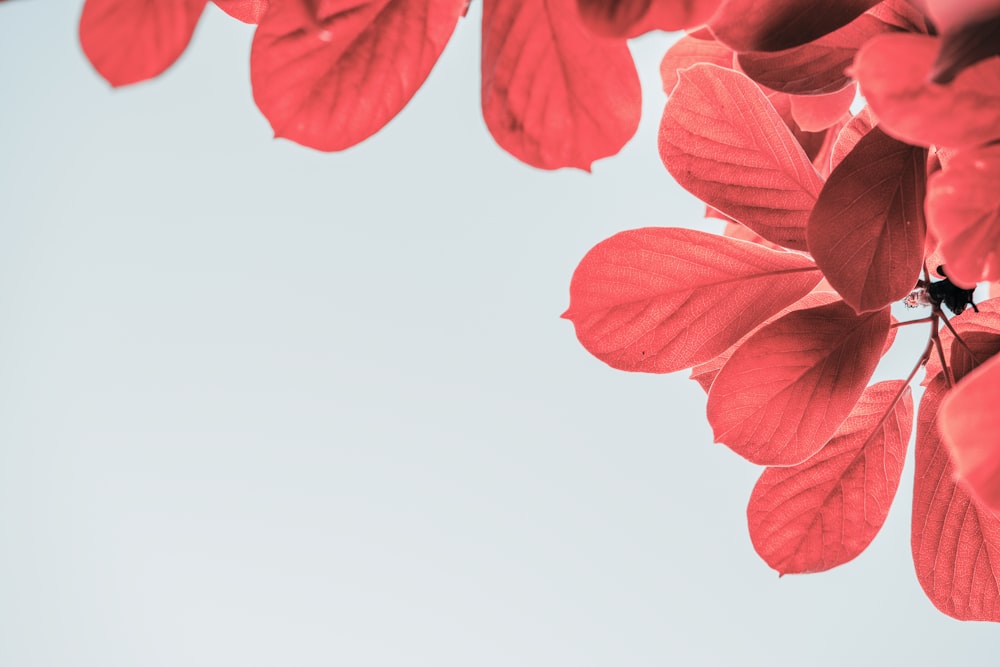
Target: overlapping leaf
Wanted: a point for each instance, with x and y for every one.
(814, 113)
(629, 18)
(329, 73)
(976, 329)
(825, 511)
(662, 299)
(698, 47)
(963, 212)
(819, 66)
(867, 229)
(554, 95)
(774, 25)
(955, 544)
(784, 391)
(894, 72)
(128, 41)
(724, 142)
(704, 373)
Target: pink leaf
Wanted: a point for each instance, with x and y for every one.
(722, 140)
(955, 544)
(965, 46)
(553, 95)
(330, 73)
(698, 47)
(867, 229)
(950, 15)
(963, 212)
(785, 391)
(248, 11)
(824, 512)
(661, 299)
(814, 113)
(894, 74)
(774, 25)
(128, 41)
(970, 425)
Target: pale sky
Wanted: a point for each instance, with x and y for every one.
(264, 406)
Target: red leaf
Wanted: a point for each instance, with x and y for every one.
(785, 391)
(773, 25)
(661, 299)
(704, 373)
(970, 425)
(554, 96)
(867, 229)
(824, 512)
(963, 212)
(955, 544)
(849, 137)
(248, 11)
(819, 66)
(330, 73)
(814, 113)
(128, 41)
(894, 73)
(698, 47)
(723, 141)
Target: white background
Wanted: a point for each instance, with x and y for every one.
(261, 405)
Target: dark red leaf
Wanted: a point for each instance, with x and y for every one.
(553, 95)
(950, 15)
(330, 73)
(704, 373)
(128, 41)
(894, 74)
(248, 11)
(661, 299)
(612, 18)
(819, 66)
(774, 25)
(867, 229)
(963, 212)
(955, 544)
(724, 142)
(785, 391)
(671, 15)
(824, 512)
(814, 113)
(699, 47)
(970, 426)
(966, 46)
(629, 18)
